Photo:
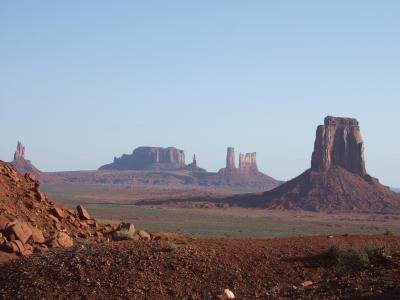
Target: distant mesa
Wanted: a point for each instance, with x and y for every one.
(337, 179)
(149, 158)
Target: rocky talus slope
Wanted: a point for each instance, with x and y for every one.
(31, 222)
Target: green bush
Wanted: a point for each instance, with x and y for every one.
(172, 247)
(124, 234)
(352, 260)
(357, 258)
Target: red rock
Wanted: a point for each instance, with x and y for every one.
(37, 236)
(144, 235)
(61, 240)
(83, 213)
(3, 222)
(19, 248)
(339, 143)
(230, 159)
(64, 240)
(22, 231)
(144, 158)
(57, 212)
(54, 218)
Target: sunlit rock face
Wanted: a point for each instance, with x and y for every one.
(339, 143)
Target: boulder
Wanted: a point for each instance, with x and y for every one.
(18, 247)
(144, 235)
(22, 231)
(227, 295)
(57, 212)
(3, 222)
(61, 240)
(83, 213)
(37, 236)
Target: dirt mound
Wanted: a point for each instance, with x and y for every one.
(292, 268)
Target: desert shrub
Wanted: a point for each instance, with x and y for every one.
(172, 247)
(356, 258)
(376, 251)
(333, 250)
(124, 234)
(184, 242)
(352, 260)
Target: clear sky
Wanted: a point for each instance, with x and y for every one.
(84, 81)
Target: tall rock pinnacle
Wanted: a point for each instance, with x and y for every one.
(230, 159)
(339, 143)
(20, 152)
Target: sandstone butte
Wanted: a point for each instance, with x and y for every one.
(336, 181)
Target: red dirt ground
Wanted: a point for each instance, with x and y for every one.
(202, 269)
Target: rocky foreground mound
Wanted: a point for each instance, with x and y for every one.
(31, 222)
(290, 268)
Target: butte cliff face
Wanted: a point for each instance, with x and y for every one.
(247, 163)
(338, 179)
(246, 175)
(339, 143)
(149, 158)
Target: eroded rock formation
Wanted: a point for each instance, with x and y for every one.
(20, 152)
(194, 167)
(149, 158)
(230, 159)
(23, 165)
(248, 162)
(336, 181)
(339, 143)
(247, 175)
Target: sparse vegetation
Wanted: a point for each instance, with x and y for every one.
(172, 247)
(124, 234)
(356, 258)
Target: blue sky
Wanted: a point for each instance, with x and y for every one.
(83, 81)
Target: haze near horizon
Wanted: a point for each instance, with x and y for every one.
(84, 82)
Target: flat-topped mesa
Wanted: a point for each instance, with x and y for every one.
(20, 152)
(248, 162)
(339, 143)
(147, 158)
(230, 159)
